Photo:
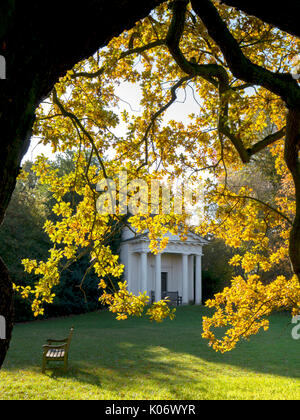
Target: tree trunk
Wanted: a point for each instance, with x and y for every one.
(291, 155)
(284, 17)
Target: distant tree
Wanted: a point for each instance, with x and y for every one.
(216, 271)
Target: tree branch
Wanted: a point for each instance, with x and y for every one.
(137, 50)
(283, 16)
(213, 73)
(270, 139)
(159, 112)
(263, 203)
(216, 74)
(78, 123)
(241, 67)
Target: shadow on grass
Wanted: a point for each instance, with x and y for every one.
(80, 375)
(104, 350)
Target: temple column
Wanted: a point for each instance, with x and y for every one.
(185, 285)
(144, 272)
(157, 277)
(198, 275)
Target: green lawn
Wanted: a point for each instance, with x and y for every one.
(136, 359)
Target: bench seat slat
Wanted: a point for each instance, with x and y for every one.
(55, 353)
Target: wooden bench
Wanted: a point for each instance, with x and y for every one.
(152, 297)
(173, 297)
(57, 352)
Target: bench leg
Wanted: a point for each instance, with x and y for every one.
(44, 365)
(66, 364)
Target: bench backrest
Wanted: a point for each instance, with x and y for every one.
(70, 337)
(171, 295)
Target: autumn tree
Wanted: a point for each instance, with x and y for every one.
(239, 97)
(237, 64)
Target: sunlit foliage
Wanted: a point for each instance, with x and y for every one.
(169, 53)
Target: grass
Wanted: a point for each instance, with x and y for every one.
(136, 359)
